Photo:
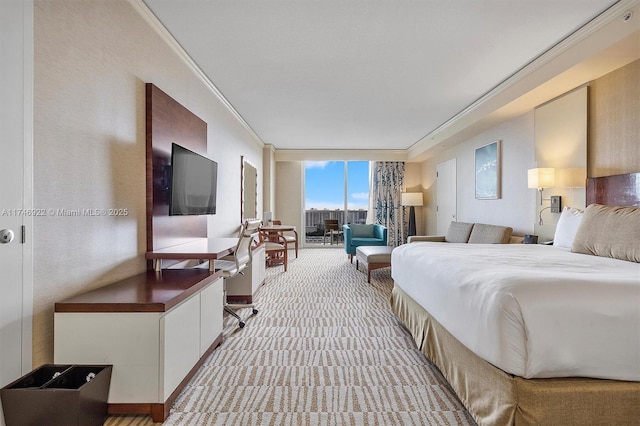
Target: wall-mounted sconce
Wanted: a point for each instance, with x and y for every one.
(411, 199)
(541, 178)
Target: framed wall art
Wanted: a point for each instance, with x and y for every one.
(488, 171)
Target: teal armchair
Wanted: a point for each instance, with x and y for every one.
(363, 235)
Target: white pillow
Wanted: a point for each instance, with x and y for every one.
(567, 227)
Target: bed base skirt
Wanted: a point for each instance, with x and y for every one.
(494, 397)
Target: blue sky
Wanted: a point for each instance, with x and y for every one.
(324, 184)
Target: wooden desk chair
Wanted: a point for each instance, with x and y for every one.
(331, 228)
(275, 246)
(291, 239)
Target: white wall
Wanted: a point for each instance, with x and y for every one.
(516, 207)
(289, 195)
(92, 60)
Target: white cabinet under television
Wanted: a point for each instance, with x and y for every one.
(155, 328)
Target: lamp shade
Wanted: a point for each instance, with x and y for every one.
(541, 178)
(411, 198)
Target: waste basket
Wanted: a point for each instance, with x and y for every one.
(58, 395)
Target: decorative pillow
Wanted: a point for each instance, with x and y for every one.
(458, 232)
(490, 234)
(567, 227)
(609, 231)
(361, 231)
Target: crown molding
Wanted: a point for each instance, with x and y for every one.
(151, 19)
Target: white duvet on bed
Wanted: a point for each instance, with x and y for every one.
(531, 310)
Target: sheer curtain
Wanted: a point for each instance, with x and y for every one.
(387, 183)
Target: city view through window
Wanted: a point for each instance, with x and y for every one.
(326, 183)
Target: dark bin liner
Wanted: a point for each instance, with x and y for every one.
(58, 395)
(38, 377)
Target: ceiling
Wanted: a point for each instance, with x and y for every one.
(364, 74)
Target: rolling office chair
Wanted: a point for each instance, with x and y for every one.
(235, 264)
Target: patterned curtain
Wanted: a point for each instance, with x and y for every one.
(387, 183)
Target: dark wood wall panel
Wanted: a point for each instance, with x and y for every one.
(166, 122)
(616, 190)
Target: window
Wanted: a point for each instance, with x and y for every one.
(334, 190)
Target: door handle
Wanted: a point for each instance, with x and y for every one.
(6, 236)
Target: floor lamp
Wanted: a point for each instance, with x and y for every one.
(411, 199)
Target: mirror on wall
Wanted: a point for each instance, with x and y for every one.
(248, 190)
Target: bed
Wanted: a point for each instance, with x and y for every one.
(532, 334)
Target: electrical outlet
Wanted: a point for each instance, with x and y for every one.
(556, 203)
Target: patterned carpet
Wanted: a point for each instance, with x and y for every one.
(325, 349)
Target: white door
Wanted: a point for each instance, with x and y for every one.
(16, 124)
(446, 195)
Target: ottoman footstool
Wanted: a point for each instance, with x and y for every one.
(373, 257)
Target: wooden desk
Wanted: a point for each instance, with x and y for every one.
(279, 228)
(242, 288)
(201, 248)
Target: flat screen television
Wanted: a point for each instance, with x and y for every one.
(193, 183)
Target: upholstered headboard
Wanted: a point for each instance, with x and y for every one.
(615, 190)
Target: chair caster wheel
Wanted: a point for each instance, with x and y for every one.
(255, 311)
(241, 324)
